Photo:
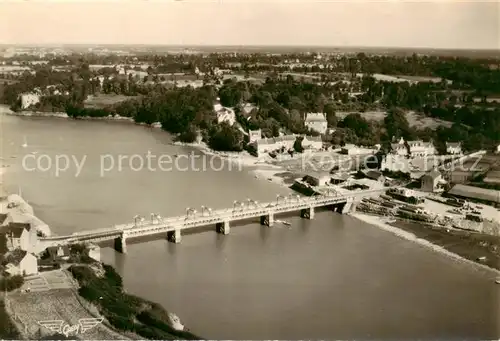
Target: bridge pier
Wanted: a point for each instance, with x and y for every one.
(307, 213)
(347, 207)
(174, 236)
(267, 220)
(223, 228)
(121, 243)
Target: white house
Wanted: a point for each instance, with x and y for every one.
(224, 114)
(247, 108)
(421, 148)
(317, 179)
(265, 145)
(312, 142)
(415, 148)
(285, 141)
(430, 181)
(498, 149)
(399, 148)
(454, 148)
(22, 263)
(254, 135)
(29, 99)
(316, 122)
(20, 236)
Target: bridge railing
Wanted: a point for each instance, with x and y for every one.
(218, 215)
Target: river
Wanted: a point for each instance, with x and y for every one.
(333, 277)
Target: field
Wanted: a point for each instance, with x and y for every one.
(62, 304)
(103, 100)
(415, 120)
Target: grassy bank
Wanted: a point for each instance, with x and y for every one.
(125, 312)
(7, 329)
(470, 245)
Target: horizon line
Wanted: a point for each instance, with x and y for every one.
(250, 45)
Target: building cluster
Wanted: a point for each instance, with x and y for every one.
(413, 148)
(351, 149)
(284, 142)
(22, 251)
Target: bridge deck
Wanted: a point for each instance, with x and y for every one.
(206, 217)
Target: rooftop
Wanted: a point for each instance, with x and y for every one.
(16, 256)
(433, 174)
(310, 117)
(475, 193)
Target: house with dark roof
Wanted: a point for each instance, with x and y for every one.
(21, 263)
(339, 178)
(19, 236)
(55, 253)
(430, 182)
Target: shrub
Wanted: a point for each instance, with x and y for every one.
(11, 282)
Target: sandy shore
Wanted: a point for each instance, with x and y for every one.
(380, 223)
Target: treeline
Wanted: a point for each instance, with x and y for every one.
(123, 311)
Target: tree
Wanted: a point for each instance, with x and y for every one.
(397, 125)
(297, 145)
(226, 138)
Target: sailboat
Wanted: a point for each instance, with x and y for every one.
(25, 144)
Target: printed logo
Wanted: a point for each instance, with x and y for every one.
(61, 327)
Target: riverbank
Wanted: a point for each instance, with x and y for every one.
(446, 243)
(102, 286)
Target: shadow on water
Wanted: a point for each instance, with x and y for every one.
(119, 262)
(264, 233)
(220, 241)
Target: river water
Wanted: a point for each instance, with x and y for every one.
(333, 277)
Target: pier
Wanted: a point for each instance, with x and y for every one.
(221, 219)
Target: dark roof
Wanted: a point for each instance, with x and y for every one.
(340, 176)
(26, 226)
(475, 193)
(2, 218)
(16, 229)
(433, 174)
(373, 174)
(16, 256)
(53, 250)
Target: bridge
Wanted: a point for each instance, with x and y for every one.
(221, 218)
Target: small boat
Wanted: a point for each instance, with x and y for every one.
(285, 223)
(25, 144)
(497, 281)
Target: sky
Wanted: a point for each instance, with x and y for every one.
(394, 23)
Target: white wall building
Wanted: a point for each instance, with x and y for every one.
(28, 100)
(316, 122)
(413, 148)
(454, 148)
(224, 114)
(25, 264)
(254, 135)
(312, 142)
